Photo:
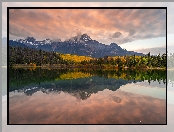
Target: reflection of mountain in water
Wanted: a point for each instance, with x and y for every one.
(81, 88)
(77, 82)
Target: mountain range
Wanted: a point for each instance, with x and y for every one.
(80, 45)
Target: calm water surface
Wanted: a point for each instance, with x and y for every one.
(50, 96)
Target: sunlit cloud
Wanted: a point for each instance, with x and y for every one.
(104, 25)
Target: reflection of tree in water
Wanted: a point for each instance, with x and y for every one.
(47, 81)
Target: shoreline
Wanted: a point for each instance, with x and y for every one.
(88, 67)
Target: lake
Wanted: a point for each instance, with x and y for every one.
(86, 96)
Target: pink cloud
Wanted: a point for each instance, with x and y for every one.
(99, 24)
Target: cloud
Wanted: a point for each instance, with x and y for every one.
(154, 51)
(131, 32)
(116, 35)
(121, 25)
(18, 32)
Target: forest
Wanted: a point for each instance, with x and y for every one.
(19, 56)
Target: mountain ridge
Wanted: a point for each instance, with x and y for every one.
(81, 45)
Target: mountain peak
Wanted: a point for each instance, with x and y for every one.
(113, 43)
(30, 39)
(80, 45)
(79, 39)
(85, 37)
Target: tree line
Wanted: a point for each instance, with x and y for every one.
(130, 61)
(19, 55)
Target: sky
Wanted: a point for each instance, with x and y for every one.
(140, 30)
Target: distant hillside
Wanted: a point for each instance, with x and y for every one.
(83, 46)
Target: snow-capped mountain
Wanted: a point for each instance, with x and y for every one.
(80, 45)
